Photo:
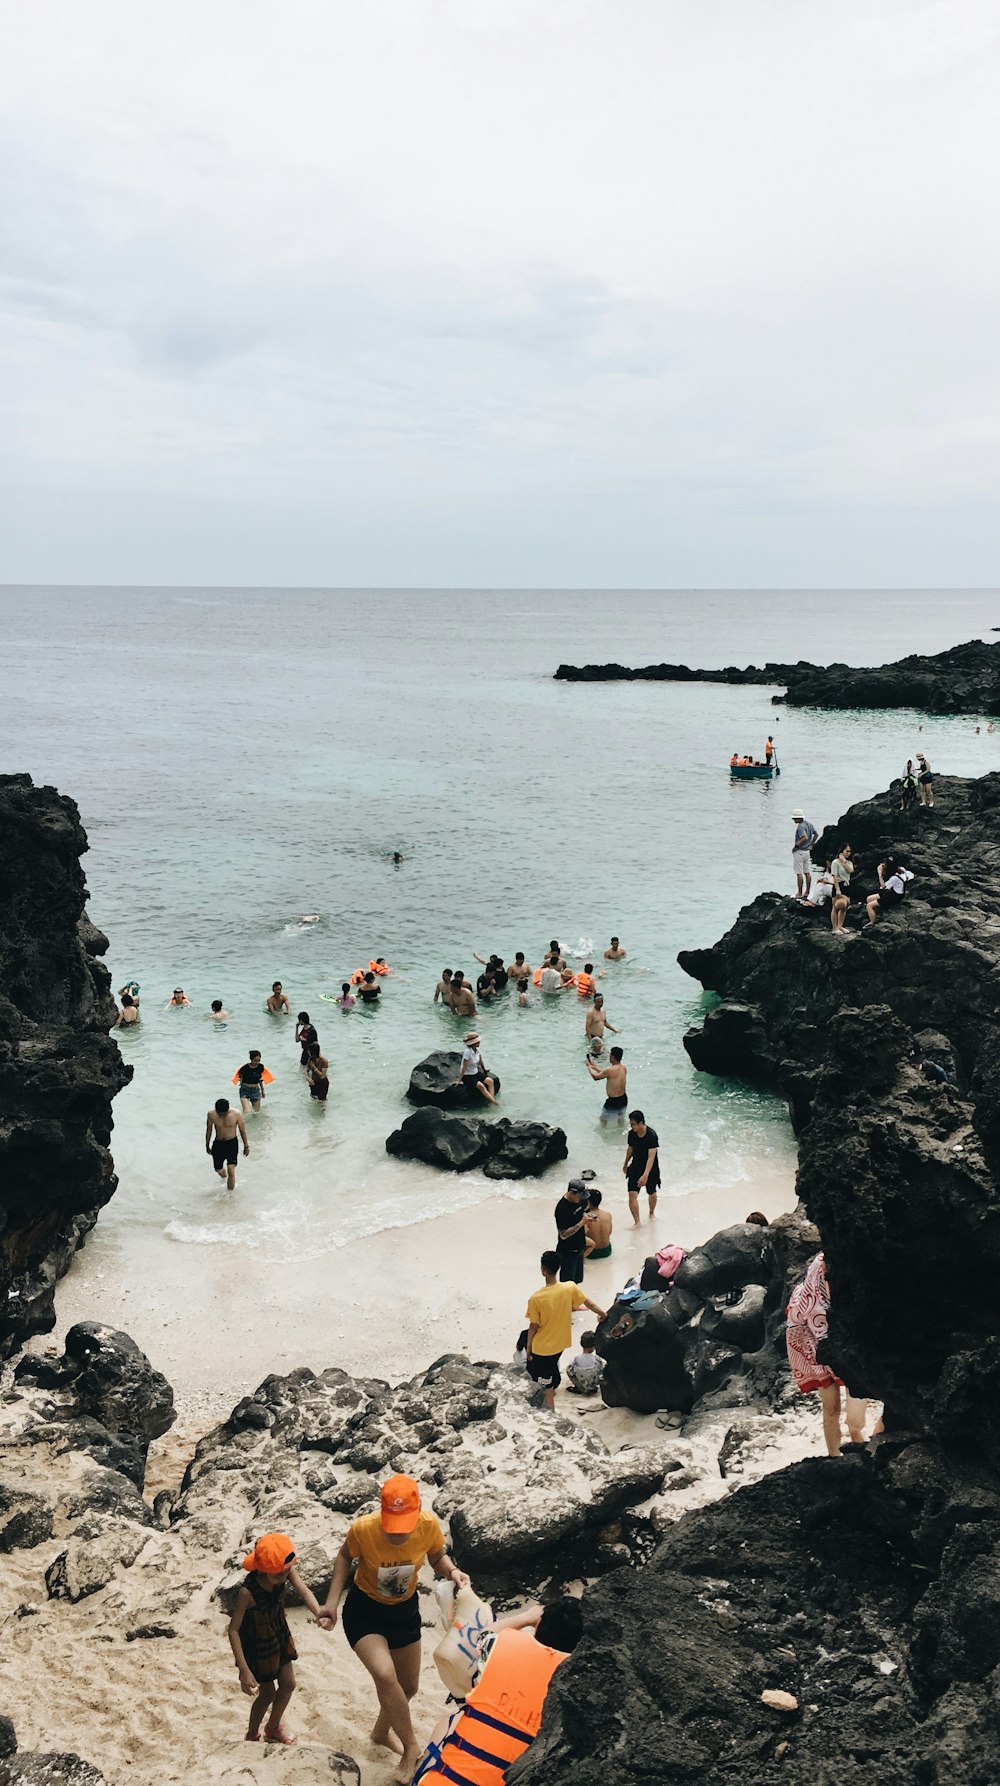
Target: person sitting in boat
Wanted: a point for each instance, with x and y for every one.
(734, 760)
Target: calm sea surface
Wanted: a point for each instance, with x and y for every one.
(244, 756)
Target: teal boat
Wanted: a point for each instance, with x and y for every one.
(753, 771)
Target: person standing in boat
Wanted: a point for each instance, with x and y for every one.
(769, 751)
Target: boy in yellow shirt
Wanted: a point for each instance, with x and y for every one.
(550, 1325)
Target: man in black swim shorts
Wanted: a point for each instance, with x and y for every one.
(224, 1129)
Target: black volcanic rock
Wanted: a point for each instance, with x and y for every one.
(59, 1068)
(858, 1585)
(502, 1148)
(106, 1391)
(964, 679)
(432, 1081)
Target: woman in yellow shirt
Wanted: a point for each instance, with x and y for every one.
(387, 1551)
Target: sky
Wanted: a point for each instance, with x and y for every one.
(603, 293)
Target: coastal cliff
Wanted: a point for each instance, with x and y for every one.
(867, 1587)
(59, 1068)
(964, 679)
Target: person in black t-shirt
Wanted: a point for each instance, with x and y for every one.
(369, 990)
(571, 1230)
(250, 1078)
(642, 1163)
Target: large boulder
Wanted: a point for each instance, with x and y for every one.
(106, 1387)
(502, 1148)
(432, 1081)
(59, 1068)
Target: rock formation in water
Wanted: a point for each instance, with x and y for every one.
(500, 1148)
(964, 679)
(59, 1068)
(433, 1081)
(867, 1588)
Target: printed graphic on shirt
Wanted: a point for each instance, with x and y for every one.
(395, 1580)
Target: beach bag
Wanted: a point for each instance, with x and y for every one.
(457, 1656)
(667, 1260)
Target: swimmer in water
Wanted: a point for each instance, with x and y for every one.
(442, 990)
(218, 1014)
(523, 995)
(318, 1074)
(309, 918)
(369, 990)
(178, 997)
(397, 858)
(346, 999)
(463, 1002)
(278, 1000)
(129, 1012)
(616, 1102)
(596, 1025)
(616, 952)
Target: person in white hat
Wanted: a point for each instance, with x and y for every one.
(805, 836)
(472, 1075)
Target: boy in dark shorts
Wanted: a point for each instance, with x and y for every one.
(224, 1129)
(550, 1325)
(259, 1636)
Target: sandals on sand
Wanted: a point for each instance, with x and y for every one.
(275, 1734)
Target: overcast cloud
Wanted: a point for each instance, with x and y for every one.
(594, 292)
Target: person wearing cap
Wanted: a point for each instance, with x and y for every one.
(571, 1231)
(177, 997)
(472, 1075)
(805, 836)
(259, 1636)
(381, 1614)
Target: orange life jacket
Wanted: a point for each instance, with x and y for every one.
(374, 968)
(501, 1716)
(585, 984)
(357, 976)
(537, 976)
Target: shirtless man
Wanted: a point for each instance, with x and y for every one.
(442, 990)
(554, 949)
(597, 1023)
(615, 1075)
(219, 1015)
(616, 952)
(224, 1129)
(598, 1224)
(462, 1000)
(519, 969)
(278, 1000)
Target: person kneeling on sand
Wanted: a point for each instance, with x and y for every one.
(597, 1225)
(502, 1714)
(586, 1369)
(258, 1633)
(381, 1614)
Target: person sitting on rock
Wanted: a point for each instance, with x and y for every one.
(807, 1313)
(892, 879)
(472, 1074)
(501, 1716)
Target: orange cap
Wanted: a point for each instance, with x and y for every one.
(271, 1555)
(400, 1504)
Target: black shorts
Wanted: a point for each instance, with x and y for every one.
(225, 1153)
(543, 1367)
(650, 1187)
(571, 1267)
(471, 1083)
(364, 1617)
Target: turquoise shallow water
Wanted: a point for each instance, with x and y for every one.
(240, 757)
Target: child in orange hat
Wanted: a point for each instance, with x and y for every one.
(259, 1634)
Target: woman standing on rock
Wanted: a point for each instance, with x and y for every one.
(381, 1614)
(808, 1309)
(841, 869)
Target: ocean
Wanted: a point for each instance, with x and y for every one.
(244, 756)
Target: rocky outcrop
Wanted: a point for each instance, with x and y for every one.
(865, 1588)
(105, 1388)
(964, 679)
(713, 1335)
(501, 1149)
(59, 1068)
(846, 1027)
(433, 1081)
